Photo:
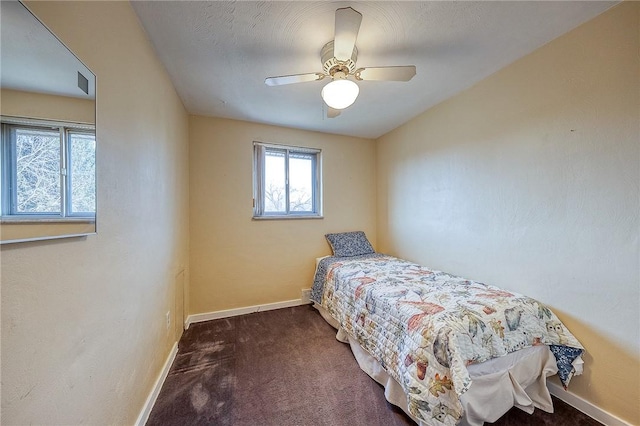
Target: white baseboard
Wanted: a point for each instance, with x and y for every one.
(155, 391)
(207, 316)
(585, 406)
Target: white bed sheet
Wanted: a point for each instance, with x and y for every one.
(517, 379)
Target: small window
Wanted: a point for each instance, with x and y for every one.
(286, 182)
(47, 171)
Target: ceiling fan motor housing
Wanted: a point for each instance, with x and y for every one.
(331, 65)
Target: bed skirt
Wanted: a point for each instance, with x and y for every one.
(515, 380)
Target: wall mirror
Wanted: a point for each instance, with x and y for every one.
(48, 145)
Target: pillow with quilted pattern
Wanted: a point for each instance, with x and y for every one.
(347, 244)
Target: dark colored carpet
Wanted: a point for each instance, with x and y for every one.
(285, 367)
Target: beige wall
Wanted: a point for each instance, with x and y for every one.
(83, 319)
(16, 103)
(238, 262)
(530, 180)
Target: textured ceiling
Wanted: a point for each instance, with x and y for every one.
(219, 53)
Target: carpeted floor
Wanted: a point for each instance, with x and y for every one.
(285, 367)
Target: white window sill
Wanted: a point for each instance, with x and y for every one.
(287, 217)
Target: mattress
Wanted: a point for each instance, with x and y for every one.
(515, 377)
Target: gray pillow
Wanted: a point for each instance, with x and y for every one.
(346, 244)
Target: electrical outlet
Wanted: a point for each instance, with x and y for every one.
(306, 295)
(168, 315)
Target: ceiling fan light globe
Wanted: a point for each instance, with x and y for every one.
(339, 94)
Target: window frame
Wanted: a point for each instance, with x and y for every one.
(8, 182)
(259, 150)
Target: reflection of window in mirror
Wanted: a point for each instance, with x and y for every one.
(48, 170)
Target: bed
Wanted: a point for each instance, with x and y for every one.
(447, 350)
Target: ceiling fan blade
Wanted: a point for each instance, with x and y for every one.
(403, 73)
(332, 112)
(346, 32)
(296, 78)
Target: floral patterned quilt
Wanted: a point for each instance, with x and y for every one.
(426, 326)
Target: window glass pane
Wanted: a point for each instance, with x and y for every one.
(37, 156)
(82, 158)
(274, 181)
(286, 181)
(300, 182)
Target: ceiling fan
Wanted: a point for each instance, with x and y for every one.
(338, 59)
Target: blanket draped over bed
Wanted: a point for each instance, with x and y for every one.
(425, 326)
